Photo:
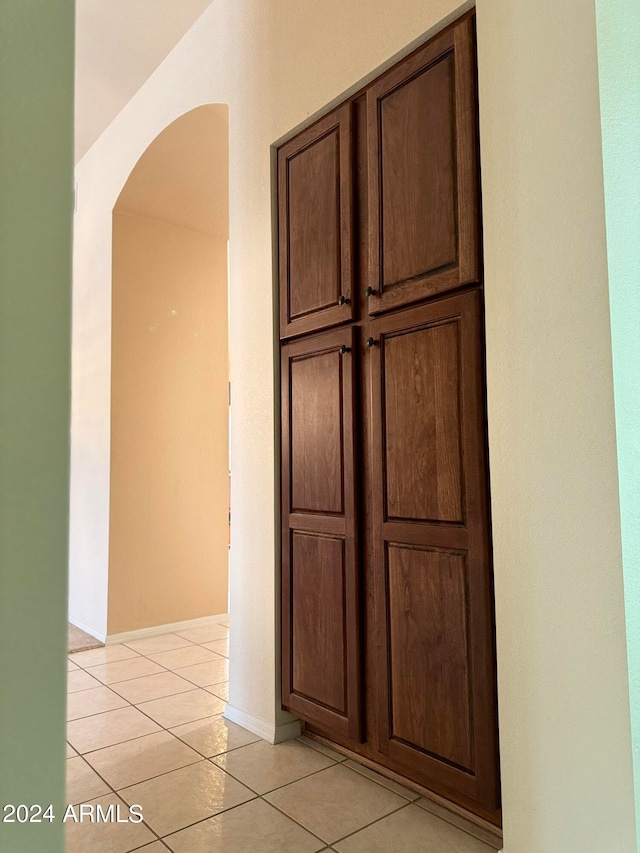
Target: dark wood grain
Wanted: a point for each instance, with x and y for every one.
(427, 613)
(318, 604)
(315, 220)
(417, 165)
(321, 584)
(441, 608)
(422, 416)
(388, 629)
(317, 476)
(423, 175)
(314, 226)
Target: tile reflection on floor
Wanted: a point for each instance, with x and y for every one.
(145, 727)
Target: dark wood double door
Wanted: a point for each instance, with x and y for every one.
(387, 596)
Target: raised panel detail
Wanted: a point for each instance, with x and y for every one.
(314, 226)
(317, 477)
(424, 479)
(429, 654)
(318, 636)
(417, 146)
(423, 189)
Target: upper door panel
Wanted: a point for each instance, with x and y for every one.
(315, 220)
(423, 174)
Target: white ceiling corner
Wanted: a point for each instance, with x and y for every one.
(119, 44)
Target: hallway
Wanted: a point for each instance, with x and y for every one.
(146, 727)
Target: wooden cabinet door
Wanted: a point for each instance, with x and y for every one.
(436, 683)
(423, 173)
(315, 221)
(321, 673)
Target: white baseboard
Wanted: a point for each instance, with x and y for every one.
(267, 731)
(142, 633)
(86, 628)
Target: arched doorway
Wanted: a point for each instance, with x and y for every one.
(169, 501)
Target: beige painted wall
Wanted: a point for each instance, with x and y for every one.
(168, 544)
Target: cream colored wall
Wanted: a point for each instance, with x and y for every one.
(564, 703)
(565, 741)
(168, 544)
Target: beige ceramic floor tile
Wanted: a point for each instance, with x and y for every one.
(325, 750)
(335, 802)
(214, 735)
(187, 656)
(220, 647)
(82, 783)
(221, 690)
(102, 730)
(108, 837)
(206, 674)
(137, 760)
(80, 680)
(401, 790)
(183, 708)
(251, 828)
(149, 687)
(206, 634)
(180, 798)
(71, 753)
(264, 766)
(107, 654)
(409, 830)
(124, 670)
(465, 825)
(159, 643)
(158, 847)
(71, 665)
(96, 701)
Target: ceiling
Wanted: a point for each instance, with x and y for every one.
(119, 44)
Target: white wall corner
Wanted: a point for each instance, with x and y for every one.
(87, 628)
(270, 732)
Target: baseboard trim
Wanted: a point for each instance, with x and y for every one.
(86, 628)
(142, 633)
(267, 731)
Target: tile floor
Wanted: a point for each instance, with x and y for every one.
(146, 727)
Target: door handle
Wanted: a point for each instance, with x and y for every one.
(371, 342)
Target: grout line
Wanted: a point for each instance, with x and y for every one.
(371, 823)
(99, 713)
(209, 817)
(114, 687)
(208, 757)
(113, 791)
(306, 776)
(456, 826)
(293, 819)
(119, 791)
(211, 759)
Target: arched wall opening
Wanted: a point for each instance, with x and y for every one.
(169, 461)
